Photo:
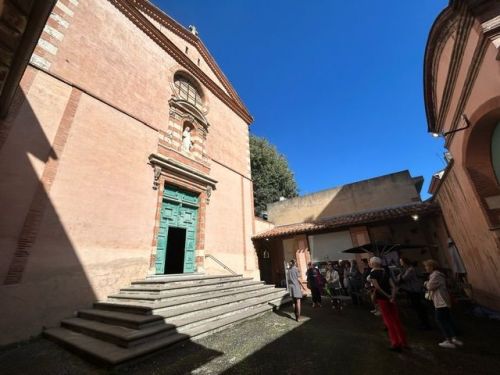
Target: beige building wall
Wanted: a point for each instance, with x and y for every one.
(385, 191)
(76, 189)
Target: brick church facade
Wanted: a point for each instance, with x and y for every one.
(123, 144)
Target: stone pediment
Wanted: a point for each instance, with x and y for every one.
(189, 111)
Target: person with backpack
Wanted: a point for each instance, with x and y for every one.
(437, 292)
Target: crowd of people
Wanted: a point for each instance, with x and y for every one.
(375, 280)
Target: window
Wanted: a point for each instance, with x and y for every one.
(187, 91)
(495, 151)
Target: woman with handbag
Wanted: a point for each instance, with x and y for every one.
(438, 294)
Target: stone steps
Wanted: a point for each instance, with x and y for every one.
(191, 293)
(125, 328)
(160, 307)
(185, 280)
(164, 288)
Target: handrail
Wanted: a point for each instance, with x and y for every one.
(220, 263)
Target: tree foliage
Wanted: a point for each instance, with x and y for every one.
(272, 178)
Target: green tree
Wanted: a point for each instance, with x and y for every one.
(272, 178)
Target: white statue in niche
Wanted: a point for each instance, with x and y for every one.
(186, 139)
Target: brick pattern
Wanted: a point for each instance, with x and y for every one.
(40, 200)
(478, 159)
(172, 138)
(165, 150)
(53, 34)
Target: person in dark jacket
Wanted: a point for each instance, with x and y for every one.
(314, 283)
(409, 282)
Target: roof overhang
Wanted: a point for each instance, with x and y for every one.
(21, 24)
(354, 219)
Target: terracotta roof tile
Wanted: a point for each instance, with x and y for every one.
(357, 218)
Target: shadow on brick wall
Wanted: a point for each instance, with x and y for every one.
(42, 279)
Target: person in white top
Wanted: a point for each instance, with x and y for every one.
(438, 294)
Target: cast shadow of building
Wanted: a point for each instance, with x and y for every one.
(42, 277)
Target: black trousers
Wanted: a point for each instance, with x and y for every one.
(419, 307)
(445, 322)
(316, 294)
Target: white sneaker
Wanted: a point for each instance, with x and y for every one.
(377, 313)
(457, 342)
(373, 311)
(447, 344)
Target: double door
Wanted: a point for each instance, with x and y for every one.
(176, 243)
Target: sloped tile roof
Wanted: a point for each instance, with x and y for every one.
(365, 217)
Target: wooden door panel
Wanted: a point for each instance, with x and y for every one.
(179, 209)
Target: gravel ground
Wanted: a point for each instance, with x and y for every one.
(325, 341)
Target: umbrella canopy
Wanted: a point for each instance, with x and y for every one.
(381, 249)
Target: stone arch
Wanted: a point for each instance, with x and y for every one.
(183, 74)
(478, 161)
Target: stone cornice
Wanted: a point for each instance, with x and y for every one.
(464, 22)
(130, 10)
(439, 33)
(189, 173)
(463, 13)
(171, 24)
(472, 72)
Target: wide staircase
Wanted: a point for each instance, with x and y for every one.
(158, 312)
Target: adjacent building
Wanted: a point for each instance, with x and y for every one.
(462, 99)
(318, 227)
(123, 153)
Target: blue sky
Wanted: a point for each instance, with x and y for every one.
(335, 85)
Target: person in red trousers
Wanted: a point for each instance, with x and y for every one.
(385, 296)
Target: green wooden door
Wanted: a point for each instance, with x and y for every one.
(180, 210)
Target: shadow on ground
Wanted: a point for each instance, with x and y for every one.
(350, 342)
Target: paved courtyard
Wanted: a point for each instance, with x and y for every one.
(326, 342)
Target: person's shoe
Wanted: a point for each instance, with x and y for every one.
(457, 342)
(377, 313)
(373, 311)
(447, 344)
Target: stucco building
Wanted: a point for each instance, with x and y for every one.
(320, 226)
(462, 99)
(124, 143)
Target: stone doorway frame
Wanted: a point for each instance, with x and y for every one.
(168, 171)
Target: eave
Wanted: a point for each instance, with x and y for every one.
(434, 39)
(19, 34)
